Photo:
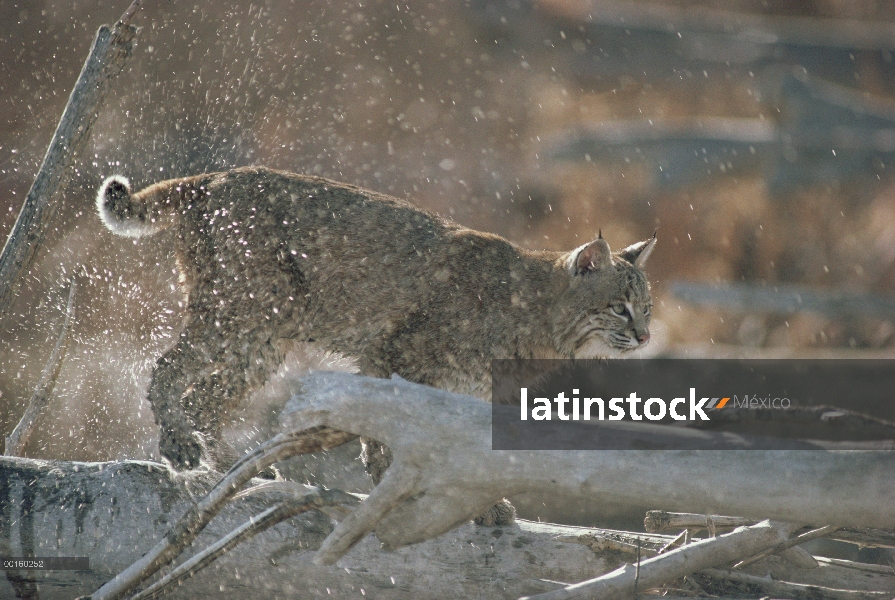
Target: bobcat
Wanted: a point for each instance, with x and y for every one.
(268, 258)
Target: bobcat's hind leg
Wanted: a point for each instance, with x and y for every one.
(175, 372)
(192, 385)
(242, 363)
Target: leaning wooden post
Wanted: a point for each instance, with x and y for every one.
(111, 49)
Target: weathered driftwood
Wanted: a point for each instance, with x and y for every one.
(443, 461)
(301, 502)
(848, 580)
(445, 472)
(115, 512)
(657, 521)
(191, 524)
(787, 549)
(16, 441)
(660, 520)
(653, 572)
(111, 49)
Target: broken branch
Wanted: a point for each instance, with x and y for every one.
(16, 441)
(799, 539)
(653, 572)
(110, 51)
(191, 524)
(310, 500)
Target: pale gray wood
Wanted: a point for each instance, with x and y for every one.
(111, 49)
(785, 549)
(115, 512)
(626, 581)
(659, 520)
(193, 521)
(445, 472)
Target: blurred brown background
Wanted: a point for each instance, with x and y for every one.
(758, 137)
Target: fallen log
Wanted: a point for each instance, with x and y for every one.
(114, 512)
(445, 472)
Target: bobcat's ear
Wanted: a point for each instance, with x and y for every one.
(590, 257)
(637, 254)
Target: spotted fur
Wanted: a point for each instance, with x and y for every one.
(269, 258)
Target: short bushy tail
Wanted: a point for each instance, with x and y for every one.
(143, 213)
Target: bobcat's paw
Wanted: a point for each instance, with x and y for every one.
(182, 449)
(501, 513)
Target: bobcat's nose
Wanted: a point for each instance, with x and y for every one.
(643, 338)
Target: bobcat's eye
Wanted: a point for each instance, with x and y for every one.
(646, 311)
(619, 309)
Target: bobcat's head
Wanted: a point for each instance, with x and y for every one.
(605, 310)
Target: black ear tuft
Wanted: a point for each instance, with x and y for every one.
(637, 254)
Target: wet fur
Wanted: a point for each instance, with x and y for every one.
(270, 258)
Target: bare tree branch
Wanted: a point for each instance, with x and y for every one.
(799, 539)
(110, 51)
(660, 520)
(310, 500)
(16, 441)
(191, 524)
